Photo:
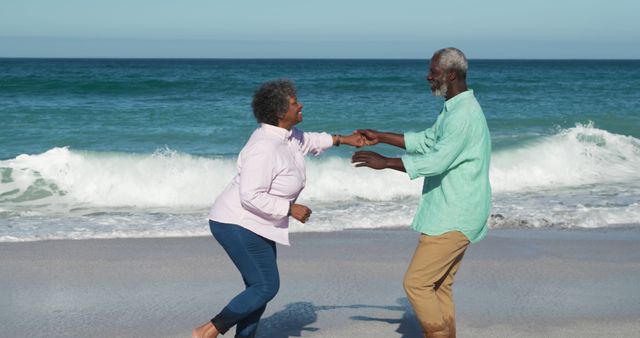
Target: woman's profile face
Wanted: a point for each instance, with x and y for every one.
(294, 115)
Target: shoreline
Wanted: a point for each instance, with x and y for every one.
(612, 227)
(515, 282)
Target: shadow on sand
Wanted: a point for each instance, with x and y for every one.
(298, 317)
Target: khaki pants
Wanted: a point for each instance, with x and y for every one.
(429, 280)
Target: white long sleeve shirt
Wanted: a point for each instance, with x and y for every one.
(271, 175)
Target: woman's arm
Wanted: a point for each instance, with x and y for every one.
(315, 143)
(259, 168)
(355, 140)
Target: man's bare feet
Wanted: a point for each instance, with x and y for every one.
(206, 330)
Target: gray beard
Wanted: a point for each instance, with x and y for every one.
(441, 91)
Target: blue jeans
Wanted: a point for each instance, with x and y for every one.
(255, 258)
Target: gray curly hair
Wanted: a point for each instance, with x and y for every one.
(271, 100)
(453, 59)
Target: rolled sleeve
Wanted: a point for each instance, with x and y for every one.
(409, 165)
(411, 141)
(439, 157)
(419, 142)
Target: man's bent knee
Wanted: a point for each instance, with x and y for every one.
(412, 284)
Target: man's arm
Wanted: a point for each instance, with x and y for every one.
(442, 155)
(420, 142)
(430, 160)
(374, 160)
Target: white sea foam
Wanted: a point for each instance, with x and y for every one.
(581, 176)
(573, 157)
(163, 179)
(170, 179)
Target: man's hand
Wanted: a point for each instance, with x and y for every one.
(370, 136)
(300, 212)
(369, 159)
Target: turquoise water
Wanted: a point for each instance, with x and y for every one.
(136, 148)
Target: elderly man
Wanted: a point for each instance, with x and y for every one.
(453, 157)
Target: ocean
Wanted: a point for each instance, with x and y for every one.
(116, 148)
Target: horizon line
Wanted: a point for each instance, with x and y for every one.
(298, 59)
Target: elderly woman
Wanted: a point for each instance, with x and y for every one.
(252, 213)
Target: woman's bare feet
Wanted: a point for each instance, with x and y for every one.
(206, 330)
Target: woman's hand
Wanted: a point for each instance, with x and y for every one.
(300, 212)
(354, 139)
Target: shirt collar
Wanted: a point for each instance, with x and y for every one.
(452, 102)
(278, 132)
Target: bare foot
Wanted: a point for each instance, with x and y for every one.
(206, 330)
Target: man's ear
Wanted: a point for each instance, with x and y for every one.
(452, 76)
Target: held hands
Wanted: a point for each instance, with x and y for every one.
(300, 212)
(369, 136)
(359, 138)
(374, 160)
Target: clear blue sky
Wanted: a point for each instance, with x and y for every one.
(319, 29)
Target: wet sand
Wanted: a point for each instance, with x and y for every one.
(515, 283)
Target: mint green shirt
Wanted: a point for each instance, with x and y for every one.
(453, 157)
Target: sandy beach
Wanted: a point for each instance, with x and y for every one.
(515, 283)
